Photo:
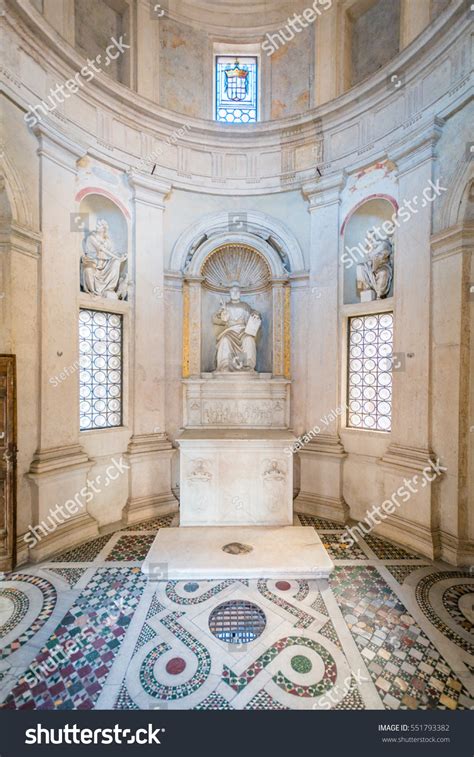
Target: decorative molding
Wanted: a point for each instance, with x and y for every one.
(259, 231)
(149, 190)
(410, 535)
(417, 147)
(404, 458)
(20, 240)
(322, 506)
(75, 531)
(444, 40)
(324, 191)
(456, 240)
(143, 508)
(456, 551)
(235, 262)
(324, 444)
(59, 459)
(147, 444)
(57, 146)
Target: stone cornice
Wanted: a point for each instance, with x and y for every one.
(365, 111)
(21, 240)
(149, 189)
(57, 146)
(418, 146)
(324, 191)
(453, 241)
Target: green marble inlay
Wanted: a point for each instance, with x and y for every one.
(301, 664)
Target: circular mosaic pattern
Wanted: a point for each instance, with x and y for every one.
(237, 621)
(191, 586)
(283, 585)
(458, 602)
(175, 666)
(301, 664)
(13, 608)
(21, 603)
(456, 631)
(236, 548)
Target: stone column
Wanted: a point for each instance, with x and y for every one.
(60, 466)
(450, 385)
(322, 454)
(278, 294)
(192, 327)
(414, 17)
(149, 451)
(410, 448)
(147, 45)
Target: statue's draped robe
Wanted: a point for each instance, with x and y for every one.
(102, 275)
(376, 274)
(235, 348)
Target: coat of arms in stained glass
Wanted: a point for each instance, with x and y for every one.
(236, 89)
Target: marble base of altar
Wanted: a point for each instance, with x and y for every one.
(236, 477)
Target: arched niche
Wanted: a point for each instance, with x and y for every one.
(224, 265)
(252, 227)
(368, 216)
(264, 280)
(94, 208)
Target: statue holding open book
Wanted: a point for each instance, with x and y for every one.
(237, 342)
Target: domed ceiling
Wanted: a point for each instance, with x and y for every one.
(236, 14)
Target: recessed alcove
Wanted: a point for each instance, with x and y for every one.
(93, 209)
(366, 218)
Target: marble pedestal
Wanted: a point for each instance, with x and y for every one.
(236, 477)
(236, 400)
(196, 553)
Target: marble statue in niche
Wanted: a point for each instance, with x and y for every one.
(374, 276)
(101, 265)
(236, 348)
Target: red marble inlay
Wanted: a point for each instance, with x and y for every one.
(175, 666)
(283, 585)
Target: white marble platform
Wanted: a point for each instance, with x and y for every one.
(277, 552)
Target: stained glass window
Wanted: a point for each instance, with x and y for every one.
(370, 372)
(236, 89)
(100, 361)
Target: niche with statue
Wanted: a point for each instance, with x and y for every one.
(236, 388)
(104, 266)
(368, 252)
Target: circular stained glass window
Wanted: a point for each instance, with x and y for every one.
(237, 621)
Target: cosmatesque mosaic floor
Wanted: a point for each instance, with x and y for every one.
(389, 630)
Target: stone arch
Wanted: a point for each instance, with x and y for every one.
(15, 195)
(455, 207)
(258, 230)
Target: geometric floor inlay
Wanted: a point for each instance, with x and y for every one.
(9, 641)
(279, 644)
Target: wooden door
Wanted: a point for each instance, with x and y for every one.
(7, 462)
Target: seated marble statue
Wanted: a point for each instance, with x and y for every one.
(101, 264)
(376, 272)
(236, 343)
